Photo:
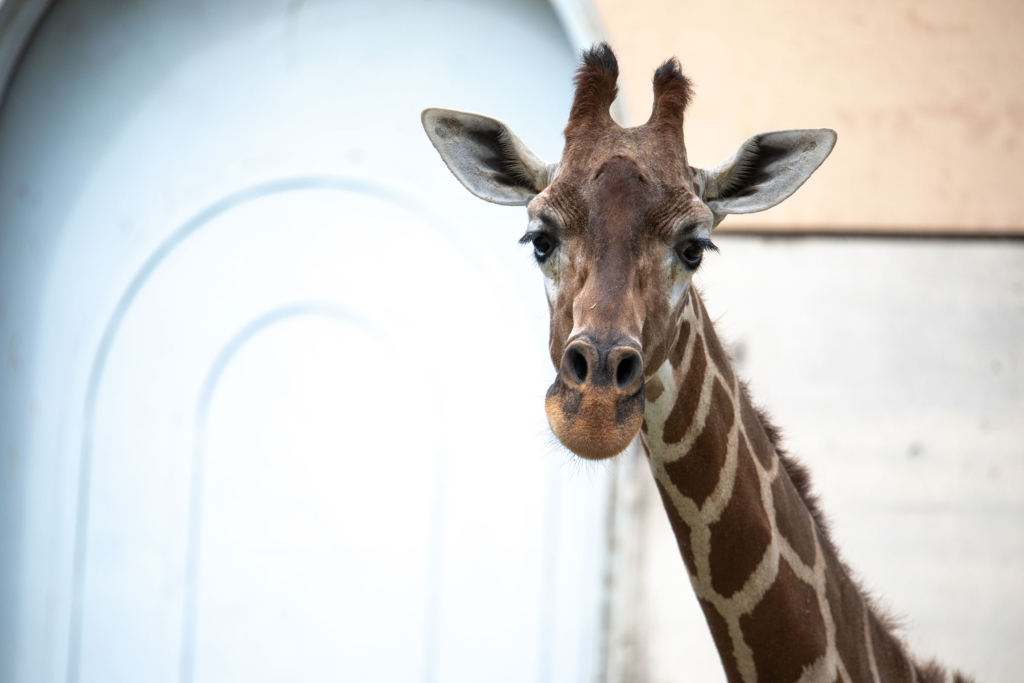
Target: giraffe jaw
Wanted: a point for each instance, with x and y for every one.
(594, 422)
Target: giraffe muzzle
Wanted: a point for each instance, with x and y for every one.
(595, 407)
(586, 364)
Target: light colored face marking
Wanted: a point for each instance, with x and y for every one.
(680, 276)
(543, 221)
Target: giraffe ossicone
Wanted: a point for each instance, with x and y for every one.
(619, 225)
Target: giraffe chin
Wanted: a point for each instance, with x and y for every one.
(594, 423)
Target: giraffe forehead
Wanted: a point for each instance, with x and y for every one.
(660, 153)
(621, 206)
(635, 175)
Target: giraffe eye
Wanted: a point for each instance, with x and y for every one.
(543, 245)
(690, 254)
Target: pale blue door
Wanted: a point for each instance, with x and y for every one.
(272, 396)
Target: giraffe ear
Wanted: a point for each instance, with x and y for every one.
(486, 156)
(765, 170)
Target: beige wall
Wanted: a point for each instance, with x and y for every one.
(927, 98)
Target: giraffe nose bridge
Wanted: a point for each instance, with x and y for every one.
(608, 307)
(613, 366)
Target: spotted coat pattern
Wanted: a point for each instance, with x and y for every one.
(780, 604)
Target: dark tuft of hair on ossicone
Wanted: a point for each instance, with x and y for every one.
(672, 94)
(596, 84)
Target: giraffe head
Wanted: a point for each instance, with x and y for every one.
(618, 227)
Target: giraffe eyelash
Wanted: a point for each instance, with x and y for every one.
(530, 236)
(544, 244)
(691, 252)
(706, 244)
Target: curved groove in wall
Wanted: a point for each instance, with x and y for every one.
(213, 376)
(579, 21)
(19, 20)
(113, 325)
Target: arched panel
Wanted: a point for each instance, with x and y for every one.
(285, 372)
(296, 542)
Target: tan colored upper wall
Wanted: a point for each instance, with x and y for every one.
(927, 98)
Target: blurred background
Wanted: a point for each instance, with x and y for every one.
(251, 427)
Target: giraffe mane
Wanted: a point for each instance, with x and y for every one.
(800, 476)
(797, 471)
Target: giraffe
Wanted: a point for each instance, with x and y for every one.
(619, 226)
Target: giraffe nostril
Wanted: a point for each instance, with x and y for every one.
(577, 365)
(627, 370)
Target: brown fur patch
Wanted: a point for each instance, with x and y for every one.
(715, 350)
(769, 436)
(723, 641)
(655, 388)
(685, 407)
(759, 441)
(680, 528)
(793, 519)
(785, 630)
(676, 355)
(742, 534)
(656, 358)
(801, 479)
(697, 473)
(892, 663)
(848, 615)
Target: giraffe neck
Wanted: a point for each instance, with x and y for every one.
(779, 603)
